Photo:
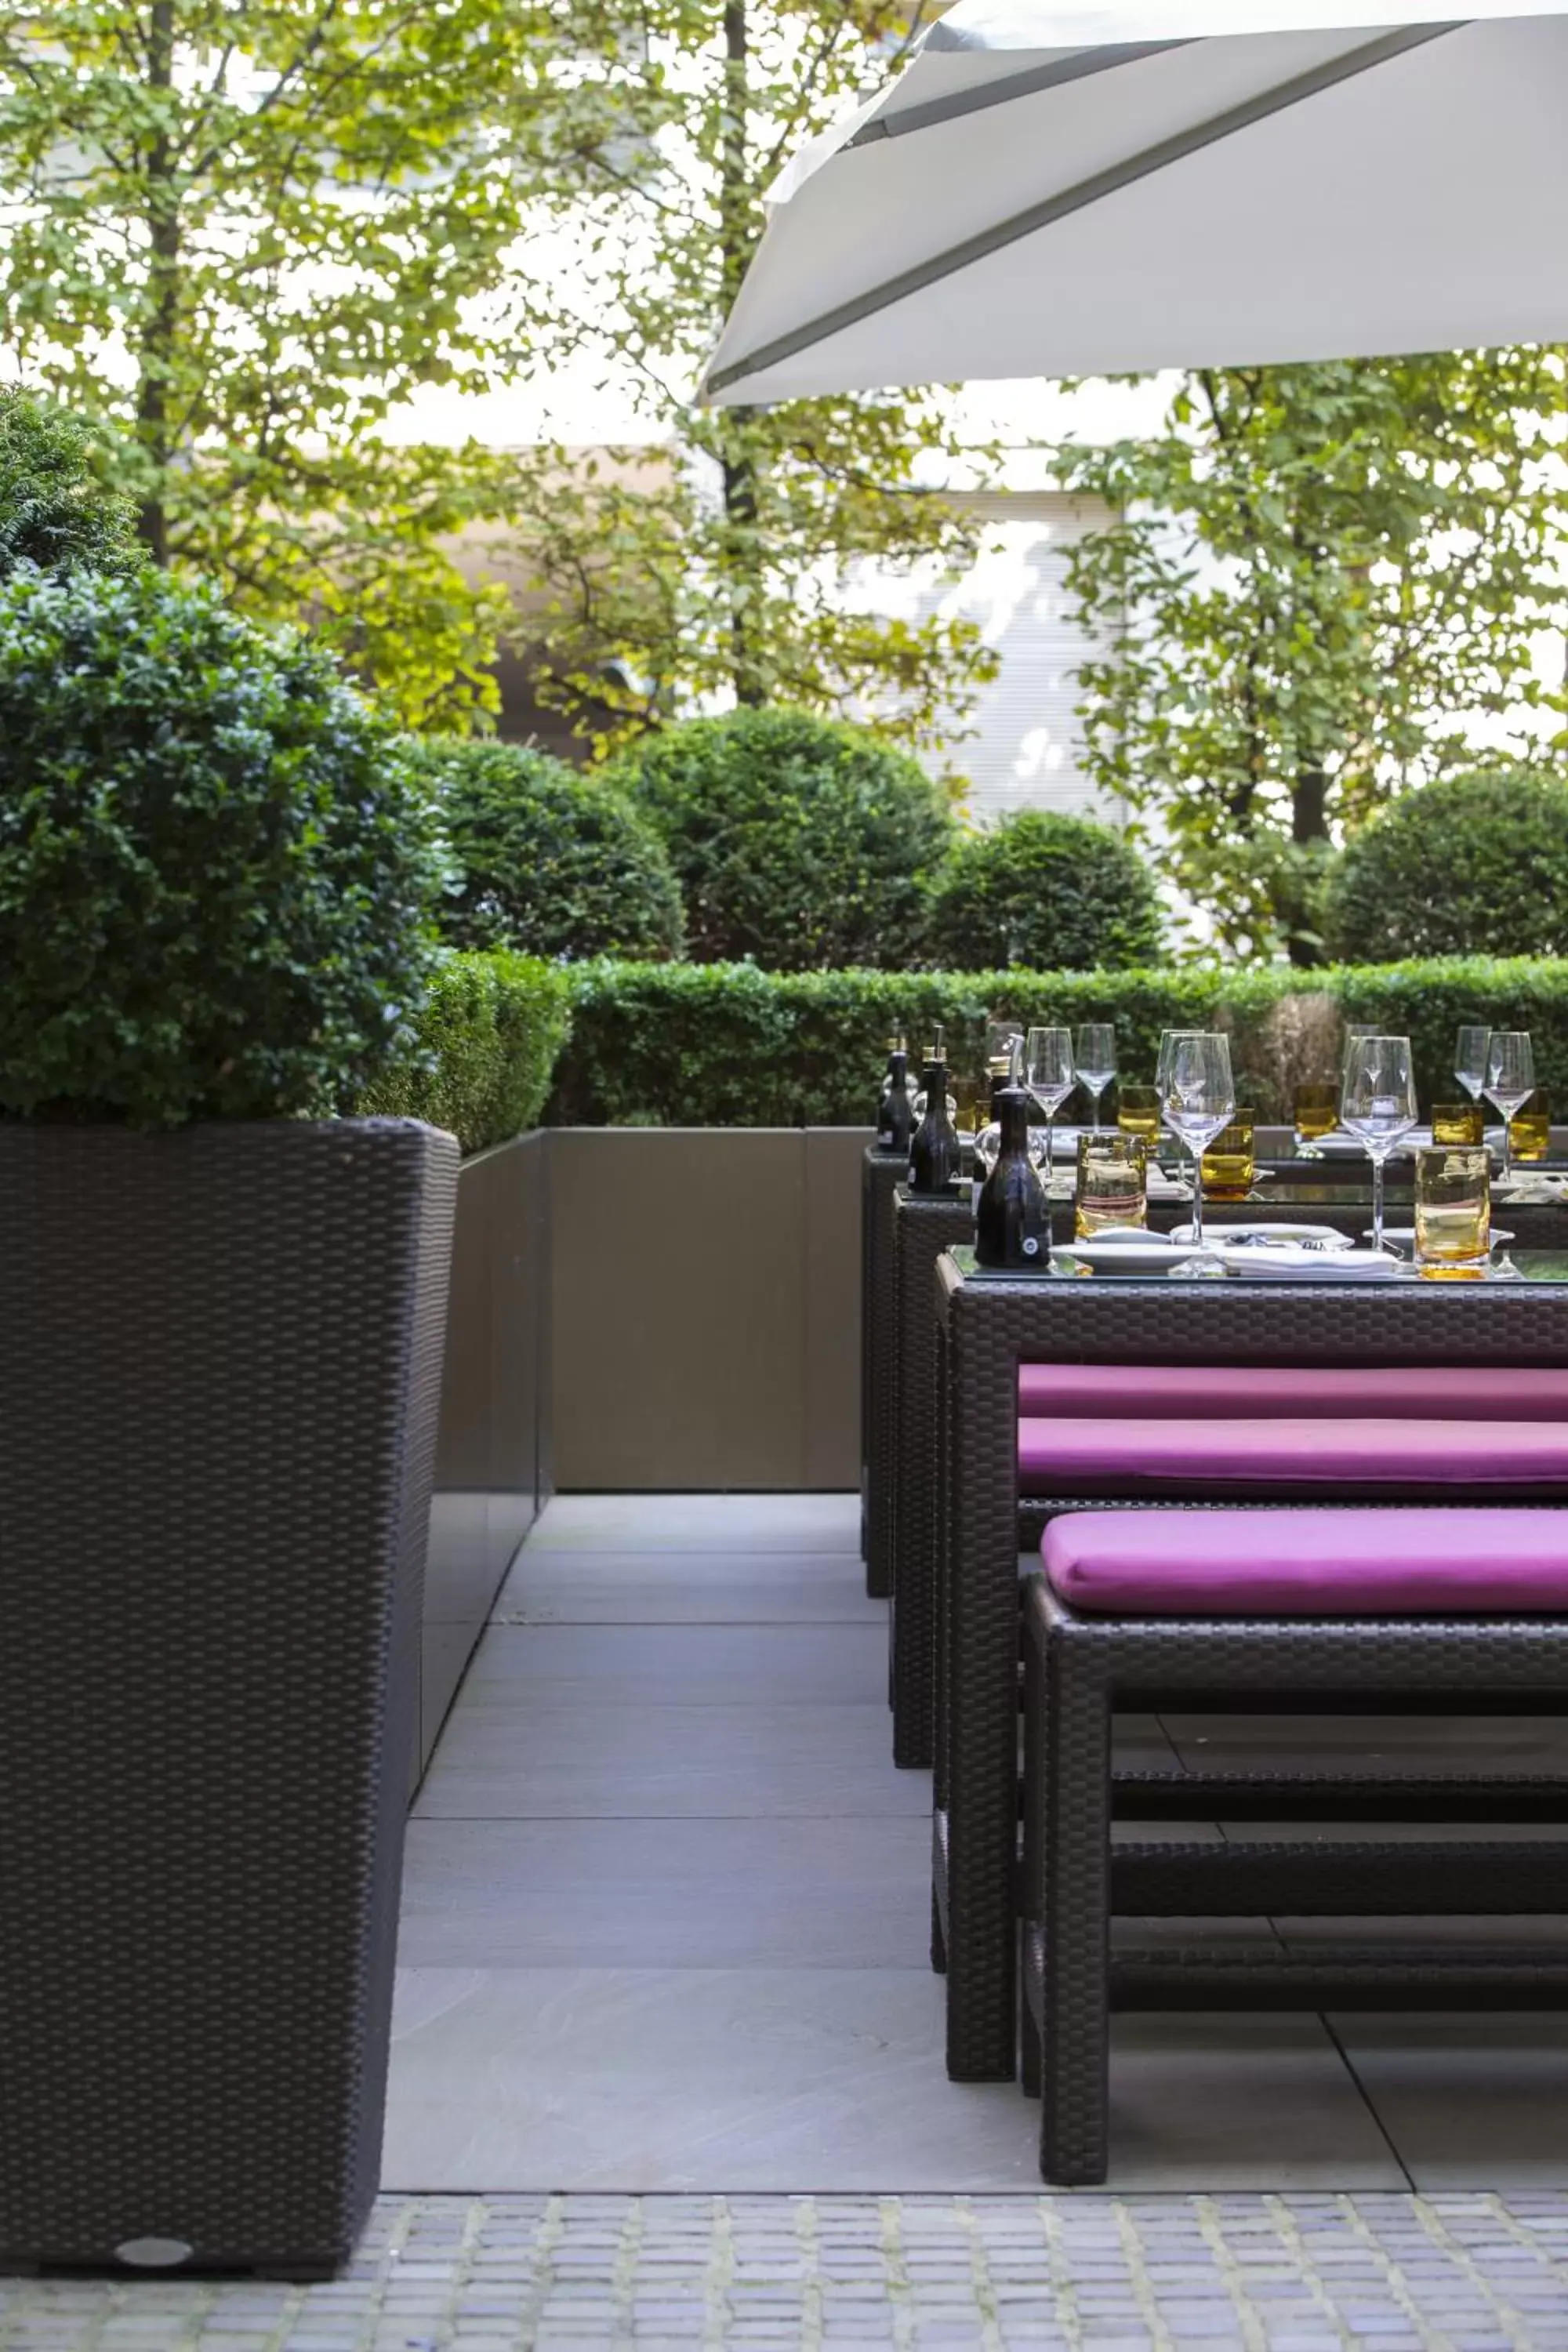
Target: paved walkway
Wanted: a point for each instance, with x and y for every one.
(1395, 2273)
(667, 2056)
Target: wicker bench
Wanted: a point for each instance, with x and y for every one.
(1334, 1609)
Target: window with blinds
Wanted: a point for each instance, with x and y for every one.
(1024, 740)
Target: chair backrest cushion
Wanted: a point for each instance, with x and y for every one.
(1341, 1562)
(1068, 1456)
(1334, 1391)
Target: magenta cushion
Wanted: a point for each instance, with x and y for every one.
(1072, 1457)
(1412, 1393)
(1310, 1563)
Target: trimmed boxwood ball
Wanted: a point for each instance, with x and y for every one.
(1050, 892)
(546, 861)
(54, 510)
(799, 842)
(216, 869)
(1473, 864)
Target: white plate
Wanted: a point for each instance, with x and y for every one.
(1222, 1236)
(1114, 1255)
(1312, 1266)
(1406, 1236)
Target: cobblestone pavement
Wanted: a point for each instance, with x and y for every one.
(1271, 2274)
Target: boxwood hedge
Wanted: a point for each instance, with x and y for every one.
(488, 1033)
(727, 1045)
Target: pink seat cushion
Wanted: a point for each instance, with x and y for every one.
(1072, 1457)
(1247, 1391)
(1310, 1563)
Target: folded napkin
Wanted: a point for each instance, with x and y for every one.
(1160, 1187)
(1532, 1184)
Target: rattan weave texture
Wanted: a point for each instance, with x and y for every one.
(1078, 1669)
(218, 1424)
(992, 1325)
(881, 1171)
(922, 1229)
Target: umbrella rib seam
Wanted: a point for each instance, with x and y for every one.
(1055, 76)
(986, 242)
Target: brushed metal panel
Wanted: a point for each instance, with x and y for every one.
(519, 1278)
(831, 1280)
(462, 1452)
(677, 1307)
(487, 1471)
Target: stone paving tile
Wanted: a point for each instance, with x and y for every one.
(1066, 2273)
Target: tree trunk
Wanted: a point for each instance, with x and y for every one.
(738, 234)
(1308, 829)
(160, 330)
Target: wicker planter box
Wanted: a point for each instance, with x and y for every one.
(218, 1401)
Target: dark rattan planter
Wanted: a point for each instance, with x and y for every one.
(880, 1172)
(217, 1420)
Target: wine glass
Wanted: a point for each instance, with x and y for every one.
(1510, 1081)
(1377, 1102)
(1096, 1062)
(1168, 1038)
(1470, 1061)
(1199, 1098)
(1050, 1076)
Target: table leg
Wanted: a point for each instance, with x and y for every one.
(982, 1700)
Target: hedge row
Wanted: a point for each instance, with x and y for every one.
(489, 1035)
(727, 1045)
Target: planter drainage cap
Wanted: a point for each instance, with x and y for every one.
(153, 2254)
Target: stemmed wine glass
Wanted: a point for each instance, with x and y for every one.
(1168, 1038)
(1096, 1062)
(1470, 1061)
(1377, 1102)
(1510, 1082)
(1050, 1076)
(1198, 1096)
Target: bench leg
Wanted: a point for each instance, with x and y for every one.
(1031, 1892)
(1074, 1784)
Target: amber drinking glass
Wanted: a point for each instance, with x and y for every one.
(1112, 1188)
(1457, 1123)
(1453, 1212)
(1529, 1129)
(1138, 1113)
(1315, 1110)
(1230, 1165)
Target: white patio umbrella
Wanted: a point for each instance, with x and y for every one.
(1146, 183)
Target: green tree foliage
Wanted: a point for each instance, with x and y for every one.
(54, 511)
(1317, 574)
(797, 841)
(244, 232)
(215, 870)
(726, 571)
(549, 862)
(1055, 893)
(1472, 865)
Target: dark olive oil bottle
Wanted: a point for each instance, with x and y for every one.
(896, 1116)
(935, 1151)
(1013, 1213)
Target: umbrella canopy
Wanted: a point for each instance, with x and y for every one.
(1052, 191)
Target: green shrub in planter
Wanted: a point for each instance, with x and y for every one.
(720, 1045)
(1472, 866)
(797, 841)
(488, 1036)
(1050, 892)
(548, 862)
(54, 511)
(216, 870)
